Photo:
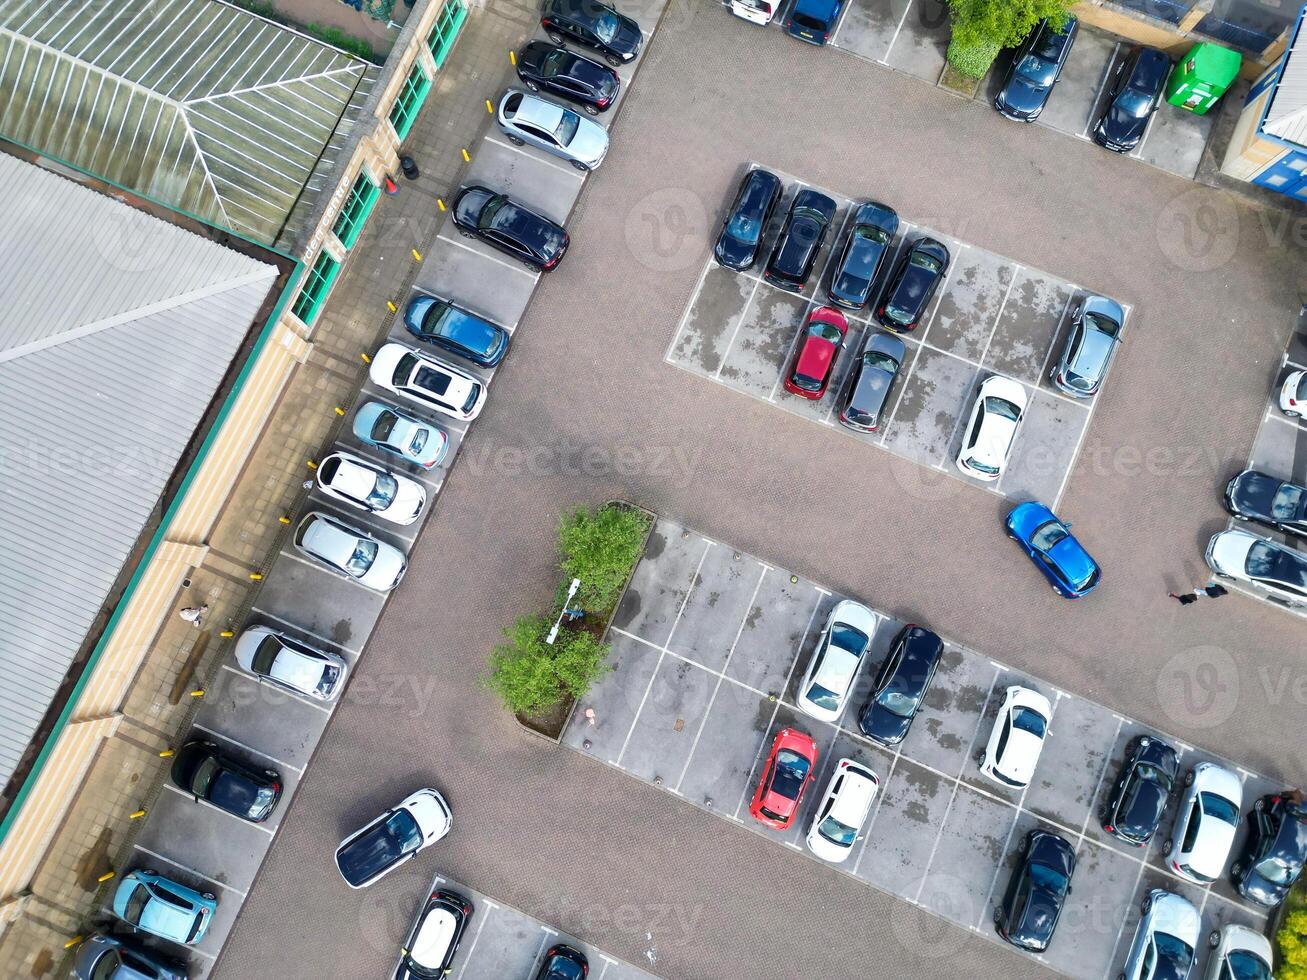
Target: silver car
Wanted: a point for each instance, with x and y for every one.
(1090, 346)
(1165, 941)
(349, 552)
(287, 663)
(527, 118)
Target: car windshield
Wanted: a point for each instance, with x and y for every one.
(823, 698)
(1050, 878)
(760, 5)
(419, 442)
(555, 62)
(1287, 502)
(824, 331)
(1276, 871)
(379, 847)
(383, 493)
(265, 655)
(1048, 534)
(875, 359)
(567, 127)
(1267, 562)
(1028, 720)
(606, 26)
(1037, 69)
(845, 637)
(1002, 408)
(1174, 950)
(384, 426)
(864, 251)
(897, 698)
(812, 23)
(1102, 324)
(837, 833)
(491, 210)
(791, 771)
(1220, 808)
(136, 902)
(365, 553)
(203, 777)
(1151, 774)
(473, 394)
(1243, 965)
(744, 228)
(1133, 102)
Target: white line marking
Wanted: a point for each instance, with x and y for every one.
(264, 614)
(885, 59)
(1098, 93)
(247, 748)
(717, 375)
(689, 308)
(493, 258)
(282, 691)
(571, 171)
(205, 803)
(189, 870)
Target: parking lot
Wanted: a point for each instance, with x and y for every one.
(707, 643)
(990, 316)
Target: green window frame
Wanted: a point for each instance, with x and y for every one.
(354, 213)
(409, 101)
(441, 38)
(316, 286)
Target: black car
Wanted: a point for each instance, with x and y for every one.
(1133, 809)
(745, 223)
(901, 685)
(792, 257)
(919, 274)
(860, 262)
(511, 228)
(433, 941)
(1134, 97)
(207, 773)
(1259, 497)
(593, 25)
(550, 68)
(563, 963)
(1275, 850)
(871, 381)
(1035, 69)
(1028, 912)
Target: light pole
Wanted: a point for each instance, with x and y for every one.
(571, 591)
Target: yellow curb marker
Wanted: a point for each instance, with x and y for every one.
(256, 576)
(166, 753)
(75, 941)
(512, 56)
(136, 815)
(440, 202)
(310, 463)
(106, 876)
(284, 519)
(391, 306)
(489, 108)
(198, 692)
(366, 359)
(417, 256)
(227, 633)
(466, 158)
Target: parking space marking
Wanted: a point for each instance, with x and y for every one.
(476, 936)
(493, 258)
(295, 556)
(280, 690)
(434, 475)
(884, 60)
(264, 614)
(1275, 413)
(572, 171)
(1138, 151)
(535, 963)
(1017, 269)
(1125, 917)
(1098, 93)
(1061, 327)
(216, 809)
(689, 308)
(835, 37)
(248, 748)
(189, 870)
(1098, 786)
(717, 375)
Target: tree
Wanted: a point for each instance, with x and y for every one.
(531, 676)
(600, 547)
(981, 28)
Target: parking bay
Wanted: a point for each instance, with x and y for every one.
(702, 642)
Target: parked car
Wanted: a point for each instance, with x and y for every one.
(1205, 823)
(1091, 344)
(548, 126)
(1035, 69)
(837, 823)
(1239, 953)
(1165, 938)
(919, 273)
(866, 395)
(103, 957)
(814, 356)
(1271, 566)
(394, 431)
(1010, 756)
(551, 68)
(785, 776)
(510, 227)
(746, 222)
(593, 25)
(1264, 499)
(428, 381)
(285, 662)
(1293, 394)
(349, 552)
(1135, 94)
(1026, 916)
(755, 11)
(433, 941)
(1133, 808)
(792, 257)
(901, 685)
(1274, 851)
(440, 322)
(151, 903)
(563, 963)
(813, 20)
(991, 431)
(1048, 542)
(836, 659)
(208, 773)
(366, 486)
(861, 260)
(379, 847)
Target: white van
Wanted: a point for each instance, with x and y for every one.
(756, 11)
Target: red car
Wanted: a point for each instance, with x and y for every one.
(822, 337)
(789, 770)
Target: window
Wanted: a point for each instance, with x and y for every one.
(358, 205)
(317, 284)
(409, 101)
(441, 38)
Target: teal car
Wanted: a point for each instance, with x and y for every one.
(152, 903)
(392, 431)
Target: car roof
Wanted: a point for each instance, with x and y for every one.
(329, 540)
(351, 477)
(537, 111)
(855, 794)
(434, 935)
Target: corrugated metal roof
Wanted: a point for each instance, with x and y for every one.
(1286, 115)
(116, 329)
(198, 104)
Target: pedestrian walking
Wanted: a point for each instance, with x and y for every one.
(1215, 591)
(1212, 590)
(194, 614)
(1184, 598)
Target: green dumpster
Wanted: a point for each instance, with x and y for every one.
(1202, 76)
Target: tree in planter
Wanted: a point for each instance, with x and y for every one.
(982, 28)
(600, 547)
(532, 676)
(1292, 940)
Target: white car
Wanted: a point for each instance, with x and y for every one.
(428, 381)
(526, 118)
(755, 11)
(1266, 564)
(350, 553)
(1238, 951)
(1205, 823)
(375, 489)
(1017, 738)
(396, 836)
(991, 430)
(1165, 939)
(837, 823)
(836, 659)
(1293, 394)
(287, 663)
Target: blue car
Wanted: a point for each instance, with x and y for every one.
(154, 904)
(440, 322)
(813, 20)
(393, 431)
(1048, 542)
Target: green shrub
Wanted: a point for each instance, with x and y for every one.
(971, 60)
(600, 547)
(1292, 941)
(982, 28)
(530, 676)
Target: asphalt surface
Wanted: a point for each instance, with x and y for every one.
(585, 409)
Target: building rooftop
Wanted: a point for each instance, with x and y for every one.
(1286, 114)
(200, 105)
(116, 331)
